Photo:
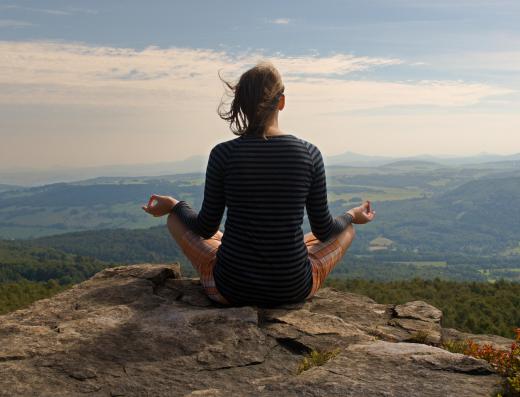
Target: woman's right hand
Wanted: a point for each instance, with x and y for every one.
(159, 205)
(362, 214)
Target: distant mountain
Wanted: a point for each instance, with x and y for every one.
(54, 175)
(4, 187)
(481, 159)
(415, 164)
(356, 159)
(197, 164)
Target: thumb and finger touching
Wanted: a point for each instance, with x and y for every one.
(148, 207)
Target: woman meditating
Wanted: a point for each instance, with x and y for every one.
(265, 177)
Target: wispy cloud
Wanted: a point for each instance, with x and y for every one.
(12, 23)
(52, 72)
(50, 11)
(497, 61)
(338, 64)
(78, 10)
(280, 21)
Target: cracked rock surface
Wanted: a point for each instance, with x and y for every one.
(142, 330)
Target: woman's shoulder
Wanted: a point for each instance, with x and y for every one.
(311, 148)
(226, 147)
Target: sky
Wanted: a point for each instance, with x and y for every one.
(91, 83)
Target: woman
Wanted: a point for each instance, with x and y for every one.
(265, 178)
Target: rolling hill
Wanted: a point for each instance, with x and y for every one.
(153, 245)
(422, 208)
(479, 217)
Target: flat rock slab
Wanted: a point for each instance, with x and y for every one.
(498, 342)
(142, 330)
(419, 310)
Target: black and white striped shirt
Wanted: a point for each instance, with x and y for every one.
(265, 185)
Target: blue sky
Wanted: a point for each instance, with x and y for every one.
(431, 76)
(382, 28)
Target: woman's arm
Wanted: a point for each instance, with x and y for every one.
(207, 221)
(323, 225)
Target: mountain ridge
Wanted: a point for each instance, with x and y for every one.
(197, 164)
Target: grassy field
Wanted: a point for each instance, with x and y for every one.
(513, 251)
(378, 193)
(424, 263)
(25, 222)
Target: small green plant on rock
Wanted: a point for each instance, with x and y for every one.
(455, 346)
(419, 337)
(316, 358)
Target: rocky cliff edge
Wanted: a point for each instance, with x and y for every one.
(143, 330)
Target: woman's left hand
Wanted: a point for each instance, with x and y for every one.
(362, 214)
(159, 205)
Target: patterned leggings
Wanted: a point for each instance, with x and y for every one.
(323, 256)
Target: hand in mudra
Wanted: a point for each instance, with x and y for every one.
(159, 205)
(362, 214)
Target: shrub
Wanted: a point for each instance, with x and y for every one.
(455, 346)
(505, 362)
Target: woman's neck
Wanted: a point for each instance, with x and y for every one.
(272, 128)
(274, 131)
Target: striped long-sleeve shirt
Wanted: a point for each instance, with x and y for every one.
(265, 185)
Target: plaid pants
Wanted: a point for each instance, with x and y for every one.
(324, 255)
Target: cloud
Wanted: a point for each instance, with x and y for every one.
(345, 96)
(50, 11)
(84, 105)
(78, 10)
(280, 21)
(64, 73)
(338, 64)
(11, 23)
(498, 61)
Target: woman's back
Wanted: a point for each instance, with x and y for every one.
(265, 183)
(263, 257)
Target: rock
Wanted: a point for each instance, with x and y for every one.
(418, 321)
(419, 310)
(498, 342)
(144, 330)
(384, 368)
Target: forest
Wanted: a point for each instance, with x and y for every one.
(17, 295)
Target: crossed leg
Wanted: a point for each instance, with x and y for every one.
(200, 252)
(325, 255)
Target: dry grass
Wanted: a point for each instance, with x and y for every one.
(316, 358)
